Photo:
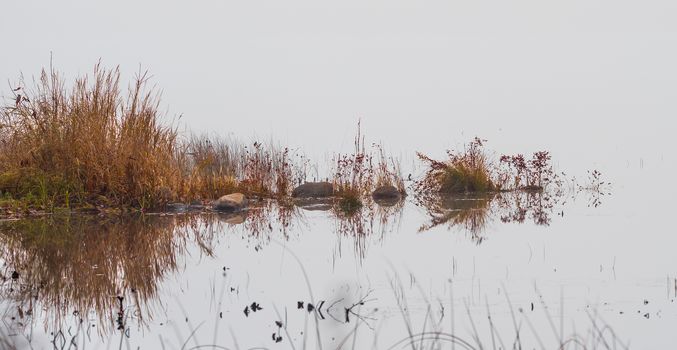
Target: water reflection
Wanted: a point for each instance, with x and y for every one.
(71, 265)
(517, 207)
(371, 222)
(110, 269)
(267, 217)
(474, 213)
(468, 212)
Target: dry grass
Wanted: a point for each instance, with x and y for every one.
(465, 171)
(388, 171)
(68, 145)
(358, 174)
(518, 173)
(268, 171)
(472, 171)
(210, 167)
(354, 173)
(88, 143)
(215, 167)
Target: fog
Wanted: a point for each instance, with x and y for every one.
(594, 82)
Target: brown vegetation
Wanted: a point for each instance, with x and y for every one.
(472, 171)
(66, 146)
(91, 145)
(465, 171)
(358, 174)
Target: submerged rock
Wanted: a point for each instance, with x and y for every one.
(230, 203)
(387, 192)
(313, 190)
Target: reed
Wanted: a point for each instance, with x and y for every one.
(89, 144)
(388, 171)
(214, 167)
(70, 145)
(358, 174)
(354, 173)
(465, 171)
(210, 166)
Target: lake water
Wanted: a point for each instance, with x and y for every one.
(588, 270)
(592, 82)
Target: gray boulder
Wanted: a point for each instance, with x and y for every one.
(386, 193)
(230, 203)
(313, 190)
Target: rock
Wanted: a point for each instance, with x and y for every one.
(230, 203)
(387, 192)
(313, 190)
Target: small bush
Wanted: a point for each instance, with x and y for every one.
(464, 172)
(517, 173)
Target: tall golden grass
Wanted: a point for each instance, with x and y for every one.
(68, 144)
(90, 143)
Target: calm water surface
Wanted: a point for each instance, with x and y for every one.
(405, 275)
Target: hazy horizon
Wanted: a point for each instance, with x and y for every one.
(592, 81)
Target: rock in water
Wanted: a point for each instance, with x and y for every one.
(314, 190)
(230, 203)
(387, 192)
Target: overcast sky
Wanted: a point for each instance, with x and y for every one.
(583, 78)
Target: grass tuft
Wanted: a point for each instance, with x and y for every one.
(467, 171)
